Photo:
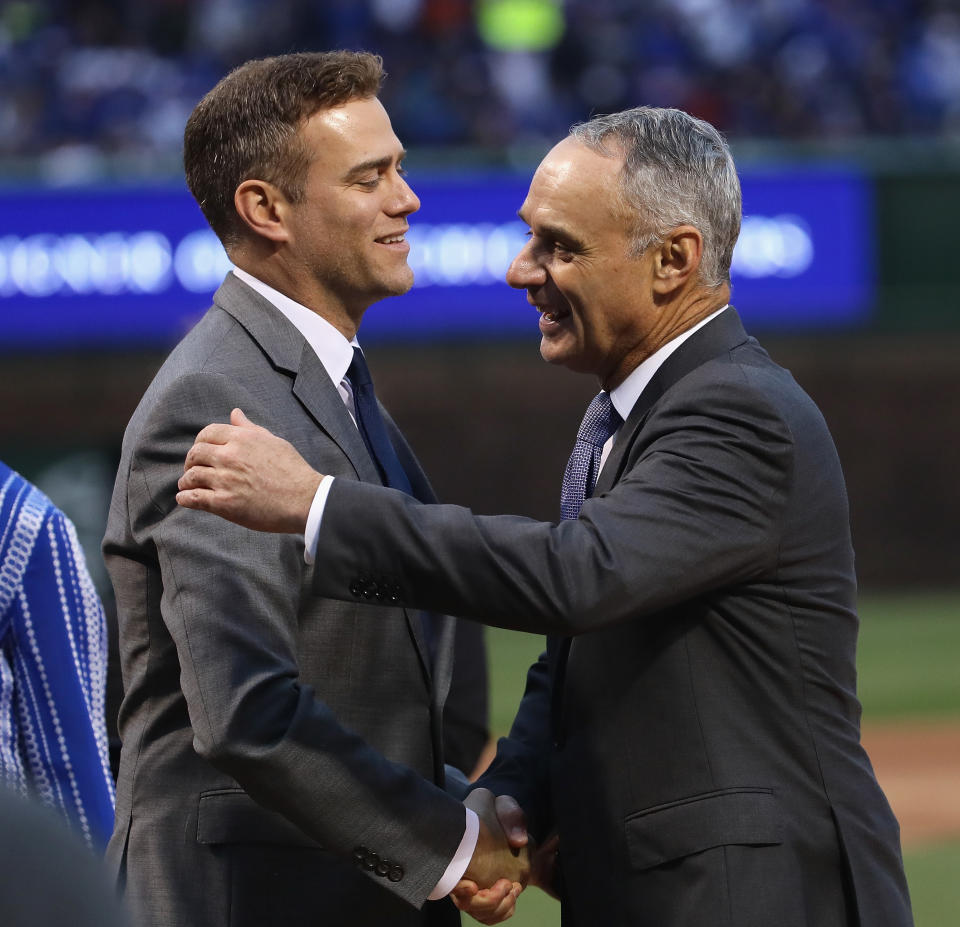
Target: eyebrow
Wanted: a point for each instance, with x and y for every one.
(374, 164)
(554, 232)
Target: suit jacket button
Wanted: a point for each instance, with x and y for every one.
(359, 855)
(356, 590)
(370, 863)
(395, 874)
(383, 867)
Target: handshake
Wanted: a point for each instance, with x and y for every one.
(504, 862)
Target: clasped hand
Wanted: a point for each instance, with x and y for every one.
(504, 862)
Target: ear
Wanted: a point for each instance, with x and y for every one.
(677, 259)
(263, 208)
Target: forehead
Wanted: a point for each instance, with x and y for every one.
(350, 134)
(574, 184)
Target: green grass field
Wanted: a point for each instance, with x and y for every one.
(908, 656)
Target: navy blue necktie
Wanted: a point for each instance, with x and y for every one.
(371, 425)
(599, 422)
(374, 433)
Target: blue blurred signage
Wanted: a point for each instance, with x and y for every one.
(137, 266)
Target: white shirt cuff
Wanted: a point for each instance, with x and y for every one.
(311, 534)
(458, 865)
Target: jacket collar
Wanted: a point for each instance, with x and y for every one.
(289, 351)
(717, 337)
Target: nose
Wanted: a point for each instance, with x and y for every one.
(524, 270)
(406, 200)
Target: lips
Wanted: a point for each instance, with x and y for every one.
(551, 315)
(394, 239)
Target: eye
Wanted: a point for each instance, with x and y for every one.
(369, 184)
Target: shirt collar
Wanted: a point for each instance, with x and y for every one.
(625, 396)
(328, 343)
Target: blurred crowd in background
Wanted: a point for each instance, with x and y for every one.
(84, 79)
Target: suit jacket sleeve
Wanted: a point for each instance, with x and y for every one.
(698, 505)
(521, 766)
(230, 601)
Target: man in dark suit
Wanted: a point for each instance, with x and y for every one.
(282, 760)
(692, 731)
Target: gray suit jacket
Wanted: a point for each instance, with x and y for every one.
(279, 750)
(692, 731)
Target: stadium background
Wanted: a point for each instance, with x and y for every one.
(844, 117)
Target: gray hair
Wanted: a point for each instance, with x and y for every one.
(677, 170)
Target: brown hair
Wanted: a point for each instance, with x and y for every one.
(247, 126)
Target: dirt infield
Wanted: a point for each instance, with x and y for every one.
(918, 765)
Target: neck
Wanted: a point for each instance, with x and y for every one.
(671, 322)
(294, 285)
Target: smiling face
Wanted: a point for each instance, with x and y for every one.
(597, 312)
(345, 237)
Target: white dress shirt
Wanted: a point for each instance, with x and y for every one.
(335, 352)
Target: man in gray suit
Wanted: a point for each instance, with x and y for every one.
(692, 731)
(282, 758)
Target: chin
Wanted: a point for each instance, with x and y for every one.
(402, 284)
(557, 354)
(393, 288)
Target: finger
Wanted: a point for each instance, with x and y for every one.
(465, 889)
(215, 433)
(468, 891)
(195, 475)
(552, 844)
(502, 910)
(543, 864)
(512, 820)
(197, 478)
(478, 798)
(199, 454)
(490, 905)
(199, 499)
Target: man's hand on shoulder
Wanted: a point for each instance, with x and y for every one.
(248, 475)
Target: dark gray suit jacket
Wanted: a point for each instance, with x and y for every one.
(692, 731)
(279, 750)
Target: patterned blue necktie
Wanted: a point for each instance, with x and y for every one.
(600, 421)
(371, 425)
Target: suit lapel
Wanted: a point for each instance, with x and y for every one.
(718, 337)
(313, 387)
(288, 350)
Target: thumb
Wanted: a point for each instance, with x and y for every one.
(512, 820)
(238, 418)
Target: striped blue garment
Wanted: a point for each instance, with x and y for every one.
(53, 664)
